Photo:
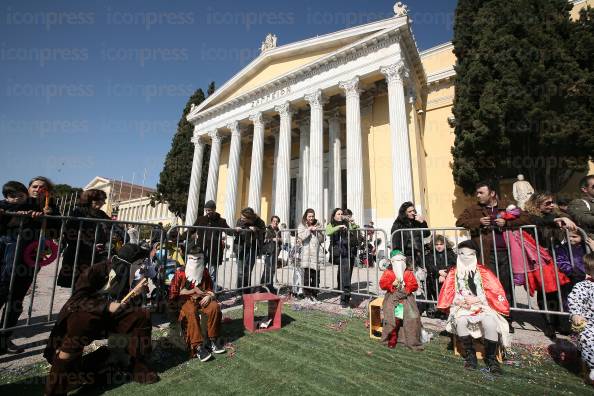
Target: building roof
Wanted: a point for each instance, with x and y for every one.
(121, 191)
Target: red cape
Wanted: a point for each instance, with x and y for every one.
(493, 291)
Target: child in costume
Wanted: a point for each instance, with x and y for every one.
(401, 315)
(581, 307)
(476, 303)
(191, 290)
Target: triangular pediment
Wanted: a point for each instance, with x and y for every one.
(97, 181)
(279, 61)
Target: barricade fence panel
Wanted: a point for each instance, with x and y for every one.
(235, 258)
(536, 267)
(40, 259)
(313, 260)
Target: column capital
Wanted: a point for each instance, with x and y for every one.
(215, 135)
(396, 72)
(235, 128)
(315, 99)
(284, 109)
(351, 87)
(197, 139)
(258, 119)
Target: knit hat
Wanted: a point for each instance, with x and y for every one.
(210, 205)
(395, 252)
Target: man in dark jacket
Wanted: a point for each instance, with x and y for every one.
(486, 225)
(91, 313)
(212, 241)
(249, 238)
(582, 209)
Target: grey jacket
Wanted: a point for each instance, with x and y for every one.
(582, 211)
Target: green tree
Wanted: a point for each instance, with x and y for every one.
(520, 103)
(174, 179)
(63, 190)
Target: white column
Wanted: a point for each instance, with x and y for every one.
(315, 197)
(354, 149)
(402, 183)
(194, 193)
(255, 194)
(303, 179)
(335, 169)
(233, 176)
(283, 158)
(213, 166)
(275, 132)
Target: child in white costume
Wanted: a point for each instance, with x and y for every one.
(581, 307)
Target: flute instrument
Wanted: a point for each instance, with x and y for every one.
(135, 290)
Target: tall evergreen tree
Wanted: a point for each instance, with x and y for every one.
(518, 103)
(174, 179)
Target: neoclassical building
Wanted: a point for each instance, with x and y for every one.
(357, 118)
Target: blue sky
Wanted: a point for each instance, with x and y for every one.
(97, 87)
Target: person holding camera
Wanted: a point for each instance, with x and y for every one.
(343, 250)
(311, 235)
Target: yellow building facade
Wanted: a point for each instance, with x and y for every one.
(358, 118)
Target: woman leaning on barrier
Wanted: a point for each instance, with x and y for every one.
(249, 237)
(311, 236)
(409, 241)
(551, 228)
(89, 206)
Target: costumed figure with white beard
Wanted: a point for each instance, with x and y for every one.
(476, 302)
(192, 291)
(402, 320)
(102, 303)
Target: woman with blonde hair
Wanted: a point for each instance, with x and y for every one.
(551, 227)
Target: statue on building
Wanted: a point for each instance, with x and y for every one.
(268, 43)
(400, 9)
(522, 190)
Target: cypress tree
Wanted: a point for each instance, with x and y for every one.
(174, 179)
(517, 106)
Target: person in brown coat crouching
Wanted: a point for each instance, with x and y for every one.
(92, 312)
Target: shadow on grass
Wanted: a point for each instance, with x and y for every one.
(565, 354)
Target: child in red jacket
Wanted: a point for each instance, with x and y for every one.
(401, 315)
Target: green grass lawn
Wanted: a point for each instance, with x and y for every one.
(318, 353)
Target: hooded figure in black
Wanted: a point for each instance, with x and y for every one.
(92, 312)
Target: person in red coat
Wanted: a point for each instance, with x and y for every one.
(401, 315)
(477, 305)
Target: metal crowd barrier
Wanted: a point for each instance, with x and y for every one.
(302, 260)
(522, 263)
(233, 256)
(419, 245)
(31, 259)
(311, 261)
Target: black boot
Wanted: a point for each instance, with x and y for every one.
(491, 357)
(470, 361)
